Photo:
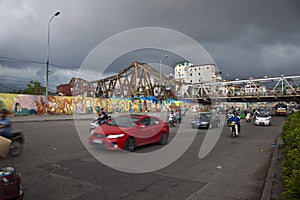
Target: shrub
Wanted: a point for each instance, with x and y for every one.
(291, 161)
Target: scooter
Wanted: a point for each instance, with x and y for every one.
(171, 121)
(178, 118)
(96, 122)
(10, 184)
(16, 146)
(234, 129)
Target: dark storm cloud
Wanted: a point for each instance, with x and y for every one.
(245, 38)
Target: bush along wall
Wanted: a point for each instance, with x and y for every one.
(291, 161)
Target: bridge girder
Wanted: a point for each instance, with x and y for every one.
(141, 79)
(138, 79)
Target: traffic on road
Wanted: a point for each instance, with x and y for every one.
(58, 160)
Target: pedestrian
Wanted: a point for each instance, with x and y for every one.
(5, 125)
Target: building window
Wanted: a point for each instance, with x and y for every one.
(195, 68)
(199, 74)
(191, 74)
(207, 67)
(191, 81)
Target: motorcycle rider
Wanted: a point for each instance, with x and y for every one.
(102, 116)
(248, 117)
(178, 116)
(172, 116)
(229, 116)
(235, 118)
(5, 125)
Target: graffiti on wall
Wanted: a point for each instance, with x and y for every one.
(21, 104)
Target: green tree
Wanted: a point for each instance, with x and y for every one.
(34, 88)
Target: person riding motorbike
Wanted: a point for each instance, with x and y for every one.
(5, 125)
(172, 118)
(103, 116)
(248, 117)
(229, 115)
(235, 118)
(178, 116)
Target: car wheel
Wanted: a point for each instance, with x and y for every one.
(129, 145)
(163, 139)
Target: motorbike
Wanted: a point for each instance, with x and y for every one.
(96, 122)
(234, 129)
(255, 114)
(171, 121)
(248, 117)
(10, 184)
(178, 118)
(16, 146)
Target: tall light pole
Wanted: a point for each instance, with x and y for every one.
(160, 74)
(47, 63)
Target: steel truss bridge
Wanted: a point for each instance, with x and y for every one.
(282, 88)
(141, 79)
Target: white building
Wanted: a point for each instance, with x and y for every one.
(186, 72)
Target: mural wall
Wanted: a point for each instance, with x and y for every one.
(20, 104)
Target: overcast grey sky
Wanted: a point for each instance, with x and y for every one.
(245, 38)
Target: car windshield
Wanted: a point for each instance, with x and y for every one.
(263, 115)
(204, 116)
(123, 121)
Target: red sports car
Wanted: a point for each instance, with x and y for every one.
(129, 131)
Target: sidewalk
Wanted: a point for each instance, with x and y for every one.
(44, 118)
(273, 184)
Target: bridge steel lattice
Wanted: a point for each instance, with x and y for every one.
(141, 79)
(282, 88)
(138, 79)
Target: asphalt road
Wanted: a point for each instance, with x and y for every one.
(56, 165)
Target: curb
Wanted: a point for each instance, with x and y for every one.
(270, 178)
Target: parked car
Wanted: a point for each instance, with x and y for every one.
(263, 118)
(129, 131)
(206, 120)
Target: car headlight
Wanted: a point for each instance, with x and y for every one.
(114, 136)
(204, 122)
(91, 132)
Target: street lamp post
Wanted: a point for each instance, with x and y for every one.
(47, 63)
(160, 74)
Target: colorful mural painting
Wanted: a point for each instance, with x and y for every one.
(21, 104)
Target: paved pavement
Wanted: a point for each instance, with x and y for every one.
(41, 118)
(270, 191)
